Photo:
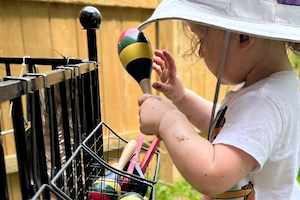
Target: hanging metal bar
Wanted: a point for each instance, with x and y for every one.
(66, 133)
(83, 117)
(37, 131)
(73, 87)
(25, 173)
(11, 89)
(33, 150)
(54, 143)
(42, 61)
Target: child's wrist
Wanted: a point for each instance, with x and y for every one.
(167, 123)
(179, 99)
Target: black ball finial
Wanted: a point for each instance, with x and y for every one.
(90, 17)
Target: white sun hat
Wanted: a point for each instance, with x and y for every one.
(263, 18)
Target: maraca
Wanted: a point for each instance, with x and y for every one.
(131, 196)
(136, 56)
(108, 187)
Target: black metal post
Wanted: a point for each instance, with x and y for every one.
(90, 19)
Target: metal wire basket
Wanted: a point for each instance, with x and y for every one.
(85, 174)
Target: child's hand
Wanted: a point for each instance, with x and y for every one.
(152, 111)
(170, 84)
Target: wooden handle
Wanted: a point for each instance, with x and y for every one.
(145, 84)
(126, 154)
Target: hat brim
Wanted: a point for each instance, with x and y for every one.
(267, 20)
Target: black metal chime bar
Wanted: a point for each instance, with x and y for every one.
(13, 88)
(25, 173)
(39, 61)
(75, 105)
(39, 163)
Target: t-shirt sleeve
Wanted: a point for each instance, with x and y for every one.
(253, 124)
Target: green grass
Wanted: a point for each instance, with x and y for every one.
(179, 190)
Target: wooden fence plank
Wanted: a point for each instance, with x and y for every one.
(36, 29)
(63, 32)
(149, 4)
(113, 88)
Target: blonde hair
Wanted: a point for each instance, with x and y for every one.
(194, 41)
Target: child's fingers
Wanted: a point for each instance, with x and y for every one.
(157, 69)
(159, 61)
(171, 63)
(143, 98)
(160, 54)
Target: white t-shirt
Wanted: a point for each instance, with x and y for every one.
(264, 121)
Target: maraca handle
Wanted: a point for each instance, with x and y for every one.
(126, 154)
(145, 84)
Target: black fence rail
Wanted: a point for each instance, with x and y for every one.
(65, 162)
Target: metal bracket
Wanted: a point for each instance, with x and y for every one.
(27, 90)
(45, 84)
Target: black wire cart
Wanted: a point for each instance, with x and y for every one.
(97, 166)
(90, 146)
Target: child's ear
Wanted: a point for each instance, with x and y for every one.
(245, 41)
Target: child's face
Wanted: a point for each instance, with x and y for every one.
(211, 47)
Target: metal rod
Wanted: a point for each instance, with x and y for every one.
(33, 144)
(25, 173)
(66, 133)
(54, 143)
(41, 152)
(74, 104)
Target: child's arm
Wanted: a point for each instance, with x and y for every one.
(211, 169)
(196, 109)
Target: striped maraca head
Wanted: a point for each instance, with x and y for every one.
(131, 196)
(136, 54)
